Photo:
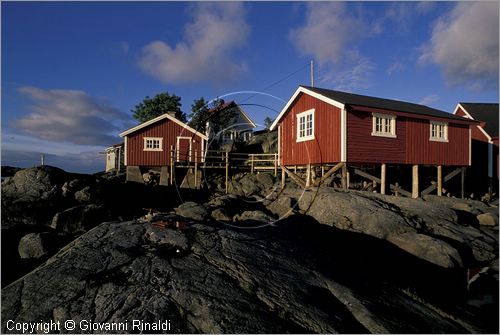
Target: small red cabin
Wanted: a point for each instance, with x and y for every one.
(150, 144)
(320, 126)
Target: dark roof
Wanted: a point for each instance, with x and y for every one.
(487, 112)
(395, 105)
(223, 106)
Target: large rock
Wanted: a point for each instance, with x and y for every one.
(298, 277)
(38, 183)
(488, 219)
(254, 217)
(192, 210)
(33, 245)
(78, 219)
(428, 248)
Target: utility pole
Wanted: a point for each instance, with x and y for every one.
(312, 73)
(42, 158)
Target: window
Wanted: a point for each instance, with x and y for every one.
(384, 125)
(439, 131)
(305, 125)
(153, 144)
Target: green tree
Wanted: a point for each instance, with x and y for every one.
(268, 122)
(160, 104)
(199, 115)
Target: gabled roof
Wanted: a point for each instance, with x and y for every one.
(486, 112)
(159, 118)
(232, 104)
(342, 99)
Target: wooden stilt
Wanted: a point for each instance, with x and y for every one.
(396, 189)
(275, 165)
(382, 178)
(294, 177)
(171, 165)
(344, 176)
(227, 172)
(283, 178)
(439, 180)
(348, 178)
(195, 169)
(414, 184)
(295, 169)
(329, 173)
(322, 171)
(308, 175)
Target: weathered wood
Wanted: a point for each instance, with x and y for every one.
(348, 178)
(344, 176)
(329, 173)
(445, 179)
(398, 190)
(382, 178)
(171, 165)
(308, 175)
(294, 177)
(439, 180)
(414, 182)
(195, 169)
(227, 172)
(283, 178)
(275, 165)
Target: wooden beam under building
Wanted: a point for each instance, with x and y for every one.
(414, 182)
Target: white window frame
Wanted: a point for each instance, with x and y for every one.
(160, 143)
(434, 138)
(387, 120)
(305, 136)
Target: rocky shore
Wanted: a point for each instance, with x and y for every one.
(259, 259)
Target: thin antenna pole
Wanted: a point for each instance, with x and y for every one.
(312, 73)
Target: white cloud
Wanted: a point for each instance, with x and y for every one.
(358, 75)
(327, 31)
(429, 100)
(464, 44)
(216, 31)
(70, 116)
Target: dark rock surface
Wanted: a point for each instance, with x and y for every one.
(298, 276)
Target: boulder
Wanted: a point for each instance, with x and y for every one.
(488, 219)
(192, 210)
(219, 214)
(33, 245)
(69, 188)
(282, 206)
(78, 219)
(84, 195)
(428, 248)
(253, 217)
(168, 238)
(265, 180)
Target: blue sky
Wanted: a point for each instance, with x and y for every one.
(71, 71)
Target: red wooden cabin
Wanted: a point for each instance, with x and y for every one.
(484, 160)
(150, 144)
(320, 126)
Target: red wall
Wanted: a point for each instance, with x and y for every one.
(422, 151)
(165, 128)
(362, 147)
(326, 145)
(411, 145)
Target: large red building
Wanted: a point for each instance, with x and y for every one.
(320, 126)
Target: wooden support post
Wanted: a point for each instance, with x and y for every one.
(294, 177)
(414, 184)
(329, 173)
(227, 172)
(344, 176)
(439, 180)
(275, 165)
(348, 178)
(251, 163)
(396, 189)
(171, 165)
(295, 169)
(195, 169)
(283, 178)
(462, 183)
(382, 178)
(322, 171)
(308, 175)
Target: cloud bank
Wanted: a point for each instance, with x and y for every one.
(464, 44)
(70, 116)
(217, 29)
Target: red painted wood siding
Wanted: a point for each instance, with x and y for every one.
(169, 131)
(420, 150)
(476, 134)
(362, 147)
(325, 147)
